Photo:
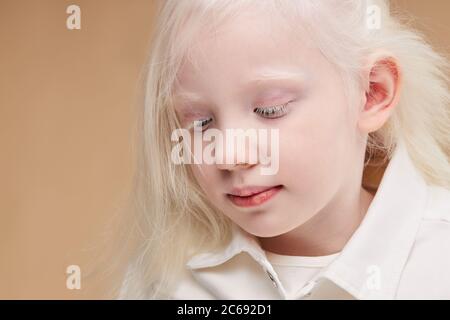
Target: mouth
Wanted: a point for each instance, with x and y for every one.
(253, 196)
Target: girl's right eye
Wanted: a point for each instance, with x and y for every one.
(200, 124)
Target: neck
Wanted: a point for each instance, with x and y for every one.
(327, 232)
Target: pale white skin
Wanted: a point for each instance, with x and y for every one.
(321, 145)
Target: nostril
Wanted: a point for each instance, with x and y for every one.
(232, 167)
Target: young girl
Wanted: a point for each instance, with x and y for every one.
(348, 88)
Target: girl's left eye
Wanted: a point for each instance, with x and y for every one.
(200, 124)
(272, 112)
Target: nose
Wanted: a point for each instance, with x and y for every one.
(243, 158)
(239, 146)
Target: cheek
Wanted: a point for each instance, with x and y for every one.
(313, 145)
(207, 178)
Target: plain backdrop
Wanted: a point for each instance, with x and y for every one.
(66, 112)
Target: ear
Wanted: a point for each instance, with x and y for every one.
(382, 93)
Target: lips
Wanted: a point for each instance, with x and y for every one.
(253, 195)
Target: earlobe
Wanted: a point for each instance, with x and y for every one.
(382, 94)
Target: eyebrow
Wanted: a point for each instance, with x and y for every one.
(188, 96)
(267, 75)
(263, 77)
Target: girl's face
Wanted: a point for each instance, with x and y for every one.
(319, 149)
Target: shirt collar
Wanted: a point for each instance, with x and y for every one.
(371, 263)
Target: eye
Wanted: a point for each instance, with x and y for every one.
(200, 124)
(272, 112)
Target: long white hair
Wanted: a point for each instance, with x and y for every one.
(172, 219)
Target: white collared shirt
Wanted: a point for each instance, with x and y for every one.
(401, 250)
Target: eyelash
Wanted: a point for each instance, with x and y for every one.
(272, 112)
(200, 123)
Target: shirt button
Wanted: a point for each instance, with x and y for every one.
(272, 278)
(306, 291)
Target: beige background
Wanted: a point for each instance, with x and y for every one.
(67, 100)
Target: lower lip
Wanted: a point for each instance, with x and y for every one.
(255, 199)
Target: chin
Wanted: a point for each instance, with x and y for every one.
(264, 231)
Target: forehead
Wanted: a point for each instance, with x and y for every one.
(250, 47)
